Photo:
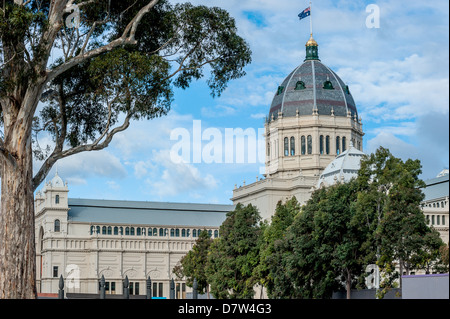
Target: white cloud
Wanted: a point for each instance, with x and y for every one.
(175, 178)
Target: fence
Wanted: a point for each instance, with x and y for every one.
(125, 294)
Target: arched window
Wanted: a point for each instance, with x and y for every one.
(292, 146)
(438, 219)
(177, 232)
(138, 231)
(194, 233)
(321, 144)
(344, 143)
(121, 230)
(183, 232)
(338, 149)
(116, 230)
(327, 145)
(309, 138)
(303, 145)
(57, 199)
(150, 232)
(210, 233)
(268, 149)
(300, 85)
(216, 233)
(155, 231)
(286, 146)
(127, 231)
(104, 230)
(132, 231)
(109, 230)
(97, 229)
(57, 226)
(172, 232)
(161, 232)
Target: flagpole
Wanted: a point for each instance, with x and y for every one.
(310, 18)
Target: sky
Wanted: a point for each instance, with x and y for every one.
(398, 75)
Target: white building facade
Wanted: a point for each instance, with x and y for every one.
(83, 239)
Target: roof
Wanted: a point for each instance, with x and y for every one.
(342, 168)
(436, 187)
(147, 213)
(316, 94)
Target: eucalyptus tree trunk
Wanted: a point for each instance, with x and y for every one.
(17, 246)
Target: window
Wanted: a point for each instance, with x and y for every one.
(300, 85)
(303, 145)
(155, 231)
(321, 144)
(183, 232)
(177, 232)
(172, 232)
(286, 147)
(121, 230)
(161, 232)
(104, 230)
(216, 233)
(134, 288)
(309, 144)
(127, 231)
(57, 199)
(110, 287)
(132, 231)
(157, 290)
(443, 220)
(344, 140)
(194, 233)
(432, 219)
(116, 230)
(338, 149)
(327, 85)
(57, 226)
(327, 145)
(438, 219)
(138, 231)
(292, 146)
(97, 229)
(280, 90)
(109, 230)
(92, 230)
(55, 271)
(210, 233)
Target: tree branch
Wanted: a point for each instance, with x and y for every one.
(126, 38)
(95, 146)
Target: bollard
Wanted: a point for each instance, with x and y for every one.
(61, 288)
(172, 289)
(126, 290)
(194, 289)
(149, 288)
(102, 288)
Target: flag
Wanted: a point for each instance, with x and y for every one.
(305, 13)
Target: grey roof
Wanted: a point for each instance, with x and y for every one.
(147, 213)
(436, 188)
(313, 73)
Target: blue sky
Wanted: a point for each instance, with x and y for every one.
(398, 76)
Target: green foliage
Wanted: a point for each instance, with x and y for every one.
(234, 255)
(281, 220)
(193, 264)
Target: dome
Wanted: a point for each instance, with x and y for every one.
(312, 87)
(343, 168)
(57, 181)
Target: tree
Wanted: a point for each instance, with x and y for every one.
(280, 221)
(388, 206)
(119, 61)
(321, 250)
(235, 254)
(193, 264)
